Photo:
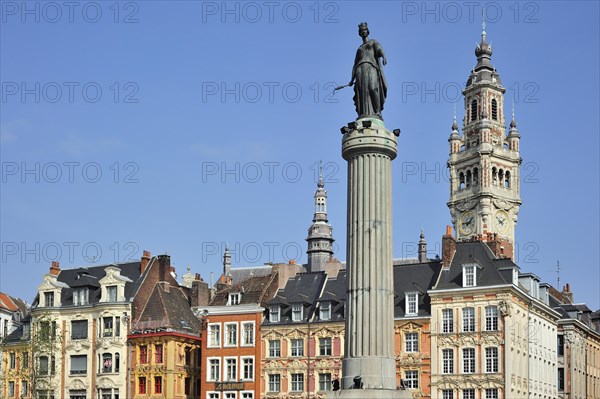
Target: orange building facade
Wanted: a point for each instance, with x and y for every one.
(230, 352)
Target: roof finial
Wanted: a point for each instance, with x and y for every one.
(454, 124)
(513, 122)
(320, 184)
(483, 22)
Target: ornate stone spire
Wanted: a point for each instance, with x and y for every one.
(226, 263)
(422, 248)
(320, 237)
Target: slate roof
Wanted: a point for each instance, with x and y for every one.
(254, 290)
(312, 289)
(167, 309)
(491, 271)
(304, 288)
(416, 277)
(335, 293)
(91, 276)
(240, 274)
(16, 336)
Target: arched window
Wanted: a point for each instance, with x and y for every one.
(507, 179)
(461, 181)
(473, 110)
(117, 361)
(107, 363)
(494, 109)
(475, 177)
(501, 177)
(494, 176)
(469, 178)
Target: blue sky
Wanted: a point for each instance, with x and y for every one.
(178, 126)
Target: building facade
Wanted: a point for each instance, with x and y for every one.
(231, 351)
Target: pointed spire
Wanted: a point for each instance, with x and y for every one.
(454, 124)
(513, 122)
(320, 184)
(483, 24)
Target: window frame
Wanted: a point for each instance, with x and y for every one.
(274, 314)
(411, 345)
(297, 312)
(274, 350)
(448, 322)
(323, 347)
(492, 360)
(214, 335)
(492, 319)
(295, 349)
(469, 275)
(471, 359)
(231, 364)
(447, 361)
(243, 373)
(213, 368)
(228, 328)
(244, 342)
(411, 382)
(411, 298)
(468, 321)
(274, 380)
(297, 382)
(325, 310)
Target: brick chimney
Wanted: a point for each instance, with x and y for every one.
(501, 247)
(448, 248)
(164, 267)
(566, 292)
(145, 260)
(55, 268)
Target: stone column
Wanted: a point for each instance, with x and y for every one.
(369, 149)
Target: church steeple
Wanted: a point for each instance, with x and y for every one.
(484, 163)
(320, 233)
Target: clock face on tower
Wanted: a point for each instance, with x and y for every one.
(466, 224)
(501, 221)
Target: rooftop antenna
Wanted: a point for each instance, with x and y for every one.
(557, 275)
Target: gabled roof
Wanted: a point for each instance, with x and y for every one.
(167, 310)
(490, 271)
(253, 290)
(12, 304)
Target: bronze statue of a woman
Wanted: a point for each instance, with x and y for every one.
(370, 88)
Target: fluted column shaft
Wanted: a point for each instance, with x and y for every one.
(370, 284)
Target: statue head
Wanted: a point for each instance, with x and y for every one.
(363, 29)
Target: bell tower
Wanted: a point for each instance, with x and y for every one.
(320, 233)
(484, 162)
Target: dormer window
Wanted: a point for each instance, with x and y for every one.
(234, 299)
(49, 299)
(297, 312)
(274, 314)
(325, 311)
(469, 275)
(111, 293)
(80, 296)
(412, 307)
